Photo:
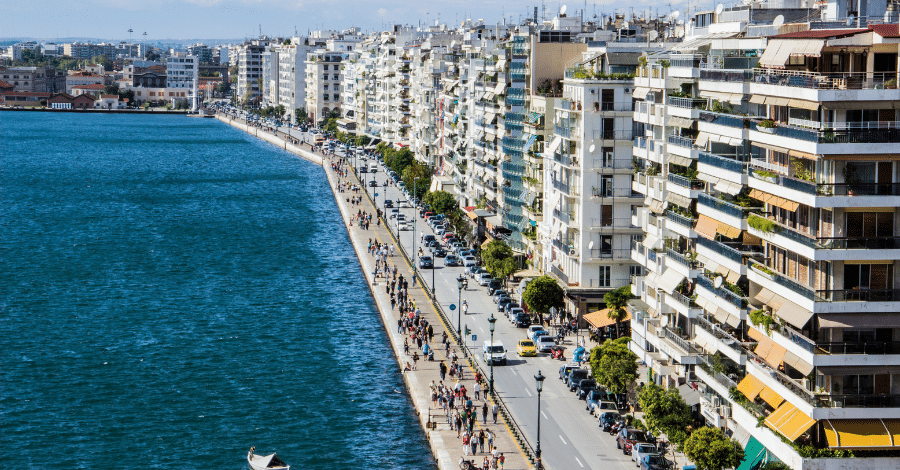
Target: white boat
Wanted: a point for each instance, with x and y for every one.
(265, 462)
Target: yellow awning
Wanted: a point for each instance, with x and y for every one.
(862, 433)
(771, 397)
(764, 346)
(755, 334)
(750, 387)
(789, 421)
(706, 226)
(727, 230)
(600, 318)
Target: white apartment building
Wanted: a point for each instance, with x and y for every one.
(769, 166)
(250, 69)
(292, 76)
(323, 83)
(182, 70)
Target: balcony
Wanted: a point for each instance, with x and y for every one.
(857, 295)
(677, 140)
(564, 245)
(561, 216)
(716, 162)
(614, 193)
(620, 223)
(732, 298)
(688, 103)
(823, 81)
(720, 119)
(559, 274)
(676, 257)
(685, 182)
(727, 344)
(859, 348)
(606, 253)
(676, 347)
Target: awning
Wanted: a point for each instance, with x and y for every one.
(859, 320)
(729, 187)
(707, 263)
(770, 351)
(670, 280)
(789, 421)
(640, 92)
(554, 145)
(777, 53)
(690, 396)
(758, 99)
(771, 397)
(733, 98)
(493, 222)
(799, 154)
(764, 296)
(728, 231)
(679, 160)
(701, 41)
(501, 64)
(808, 48)
(794, 361)
(655, 206)
(706, 226)
(803, 104)
(706, 343)
(527, 273)
(708, 178)
(862, 433)
(794, 314)
(650, 281)
(732, 276)
(750, 387)
(499, 88)
(651, 241)
(534, 117)
(776, 101)
(679, 122)
(600, 318)
(679, 200)
(702, 140)
(755, 454)
(773, 148)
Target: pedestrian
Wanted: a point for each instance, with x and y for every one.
(399, 325)
(481, 439)
(405, 347)
(484, 409)
(474, 443)
(495, 409)
(443, 370)
(415, 359)
(502, 459)
(465, 442)
(458, 423)
(477, 389)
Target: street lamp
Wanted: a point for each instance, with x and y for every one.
(491, 321)
(461, 283)
(539, 384)
(415, 216)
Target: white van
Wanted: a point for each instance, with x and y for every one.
(493, 353)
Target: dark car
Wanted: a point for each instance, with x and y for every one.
(372, 184)
(575, 377)
(510, 306)
(503, 302)
(432, 243)
(429, 238)
(388, 203)
(607, 419)
(363, 169)
(655, 462)
(438, 252)
(564, 370)
(523, 320)
(426, 262)
(585, 387)
(494, 285)
(628, 437)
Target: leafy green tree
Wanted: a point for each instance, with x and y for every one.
(362, 140)
(542, 294)
(616, 300)
(279, 110)
(301, 117)
(104, 61)
(151, 54)
(112, 89)
(665, 411)
(402, 159)
(417, 187)
(441, 202)
(709, 449)
(614, 365)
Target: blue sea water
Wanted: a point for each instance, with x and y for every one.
(172, 292)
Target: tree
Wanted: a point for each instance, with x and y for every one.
(665, 412)
(441, 202)
(151, 54)
(494, 255)
(542, 294)
(402, 159)
(709, 449)
(279, 110)
(616, 301)
(111, 89)
(363, 140)
(417, 187)
(104, 61)
(614, 365)
(301, 117)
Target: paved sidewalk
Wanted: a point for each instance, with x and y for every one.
(446, 445)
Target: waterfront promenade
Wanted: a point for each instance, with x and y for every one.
(446, 446)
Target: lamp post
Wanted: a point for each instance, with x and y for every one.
(460, 282)
(491, 321)
(539, 384)
(415, 181)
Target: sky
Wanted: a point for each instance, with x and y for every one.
(237, 19)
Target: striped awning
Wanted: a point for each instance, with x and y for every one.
(679, 160)
(789, 421)
(771, 397)
(751, 387)
(706, 226)
(728, 187)
(862, 433)
(728, 231)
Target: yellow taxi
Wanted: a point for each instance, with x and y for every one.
(526, 348)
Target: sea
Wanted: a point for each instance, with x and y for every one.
(173, 292)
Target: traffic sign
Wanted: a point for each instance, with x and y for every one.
(376, 194)
(452, 307)
(474, 338)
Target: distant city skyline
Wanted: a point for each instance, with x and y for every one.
(181, 19)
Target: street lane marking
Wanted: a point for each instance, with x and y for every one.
(579, 462)
(526, 391)
(564, 441)
(544, 415)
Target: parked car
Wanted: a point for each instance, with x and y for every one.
(575, 375)
(388, 203)
(642, 449)
(402, 225)
(593, 398)
(426, 262)
(628, 437)
(372, 184)
(605, 405)
(475, 271)
(499, 293)
(501, 304)
(447, 236)
(438, 252)
(526, 348)
(523, 320)
(537, 334)
(585, 387)
(394, 213)
(510, 307)
(429, 238)
(494, 285)
(534, 329)
(483, 279)
(608, 418)
(564, 370)
(655, 462)
(545, 343)
(469, 261)
(452, 260)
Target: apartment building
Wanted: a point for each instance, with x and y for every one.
(182, 70)
(250, 68)
(768, 164)
(31, 79)
(292, 76)
(323, 84)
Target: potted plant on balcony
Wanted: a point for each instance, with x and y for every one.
(766, 125)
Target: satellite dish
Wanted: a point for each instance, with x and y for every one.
(718, 282)
(562, 10)
(778, 21)
(850, 20)
(452, 44)
(591, 245)
(652, 35)
(591, 150)
(675, 14)
(719, 9)
(664, 322)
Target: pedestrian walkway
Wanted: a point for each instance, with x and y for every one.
(446, 443)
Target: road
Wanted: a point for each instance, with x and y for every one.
(569, 435)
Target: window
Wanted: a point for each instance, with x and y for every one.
(606, 186)
(607, 100)
(609, 128)
(636, 271)
(608, 155)
(606, 215)
(606, 245)
(603, 279)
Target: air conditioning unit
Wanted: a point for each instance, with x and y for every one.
(571, 251)
(725, 411)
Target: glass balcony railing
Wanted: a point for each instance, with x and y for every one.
(859, 189)
(783, 281)
(731, 297)
(686, 142)
(720, 205)
(786, 181)
(681, 259)
(722, 119)
(727, 164)
(866, 348)
(688, 103)
(859, 243)
(860, 295)
(685, 182)
(726, 75)
(722, 249)
(680, 219)
(824, 81)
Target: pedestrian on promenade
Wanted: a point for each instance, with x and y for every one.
(495, 409)
(415, 359)
(502, 459)
(490, 439)
(481, 439)
(474, 443)
(484, 412)
(458, 423)
(399, 325)
(465, 443)
(477, 389)
(405, 347)
(393, 303)
(443, 370)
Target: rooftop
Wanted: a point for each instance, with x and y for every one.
(820, 34)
